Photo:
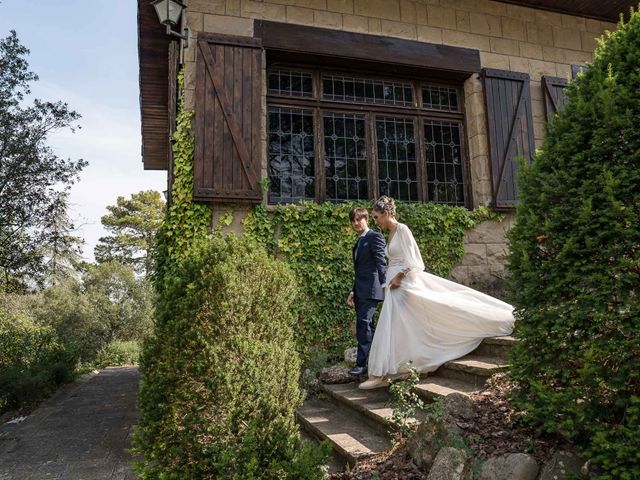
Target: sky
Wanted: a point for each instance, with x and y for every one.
(85, 53)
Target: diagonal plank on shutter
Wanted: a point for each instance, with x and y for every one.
(228, 104)
(554, 99)
(510, 129)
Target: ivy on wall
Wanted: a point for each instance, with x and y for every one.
(185, 221)
(315, 240)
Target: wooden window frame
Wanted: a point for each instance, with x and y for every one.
(371, 111)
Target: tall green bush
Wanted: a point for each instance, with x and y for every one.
(575, 264)
(220, 375)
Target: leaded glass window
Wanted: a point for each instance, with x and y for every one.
(291, 155)
(365, 90)
(345, 156)
(445, 183)
(380, 140)
(397, 166)
(290, 83)
(435, 97)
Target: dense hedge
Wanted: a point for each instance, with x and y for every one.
(575, 264)
(220, 375)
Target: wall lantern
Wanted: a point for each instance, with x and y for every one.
(169, 12)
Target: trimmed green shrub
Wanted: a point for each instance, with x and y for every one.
(220, 374)
(575, 264)
(118, 352)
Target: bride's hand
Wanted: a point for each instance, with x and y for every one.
(395, 281)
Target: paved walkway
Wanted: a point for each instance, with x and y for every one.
(81, 433)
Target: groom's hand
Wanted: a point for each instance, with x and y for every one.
(350, 299)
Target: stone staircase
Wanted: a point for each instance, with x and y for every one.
(356, 422)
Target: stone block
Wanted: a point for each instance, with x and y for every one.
(463, 21)
(476, 123)
(487, 232)
(492, 8)
(480, 169)
(574, 22)
(473, 84)
(429, 34)
(340, 6)
(494, 60)
(594, 26)
(441, 17)
(408, 12)
(485, 24)
(228, 25)
(207, 6)
(588, 41)
(564, 70)
(540, 34)
(468, 40)
(301, 15)
(355, 23)
(264, 11)
(482, 193)
(479, 145)
(327, 19)
(540, 68)
(195, 21)
(190, 75)
(504, 46)
(548, 18)
(233, 7)
(459, 274)
(189, 99)
(519, 64)
(475, 254)
(496, 251)
(522, 13)
(513, 28)
(375, 25)
(566, 38)
(399, 29)
(387, 9)
(530, 50)
(553, 54)
(315, 4)
(421, 13)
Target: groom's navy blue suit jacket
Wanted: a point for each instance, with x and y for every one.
(370, 266)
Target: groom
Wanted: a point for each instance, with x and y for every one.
(370, 272)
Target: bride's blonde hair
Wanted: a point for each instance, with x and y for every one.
(385, 204)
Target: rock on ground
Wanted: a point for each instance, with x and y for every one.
(512, 466)
(450, 464)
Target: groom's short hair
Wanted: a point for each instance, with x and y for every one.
(357, 214)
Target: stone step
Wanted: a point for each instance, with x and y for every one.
(335, 463)
(349, 436)
(496, 347)
(433, 387)
(372, 405)
(472, 369)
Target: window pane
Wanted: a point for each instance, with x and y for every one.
(397, 175)
(345, 156)
(445, 181)
(366, 90)
(435, 97)
(289, 83)
(291, 155)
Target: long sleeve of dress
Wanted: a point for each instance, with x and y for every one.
(410, 251)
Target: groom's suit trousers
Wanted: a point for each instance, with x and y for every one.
(365, 309)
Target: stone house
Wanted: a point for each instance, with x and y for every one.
(424, 100)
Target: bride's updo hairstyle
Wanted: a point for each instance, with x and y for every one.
(385, 204)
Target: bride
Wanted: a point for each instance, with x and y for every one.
(425, 320)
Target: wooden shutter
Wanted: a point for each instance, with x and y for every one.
(553, 91)
(510, 128)
(228, 119)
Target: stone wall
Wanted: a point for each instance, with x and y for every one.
(509, 37)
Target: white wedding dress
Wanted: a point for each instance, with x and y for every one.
(429, 320)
